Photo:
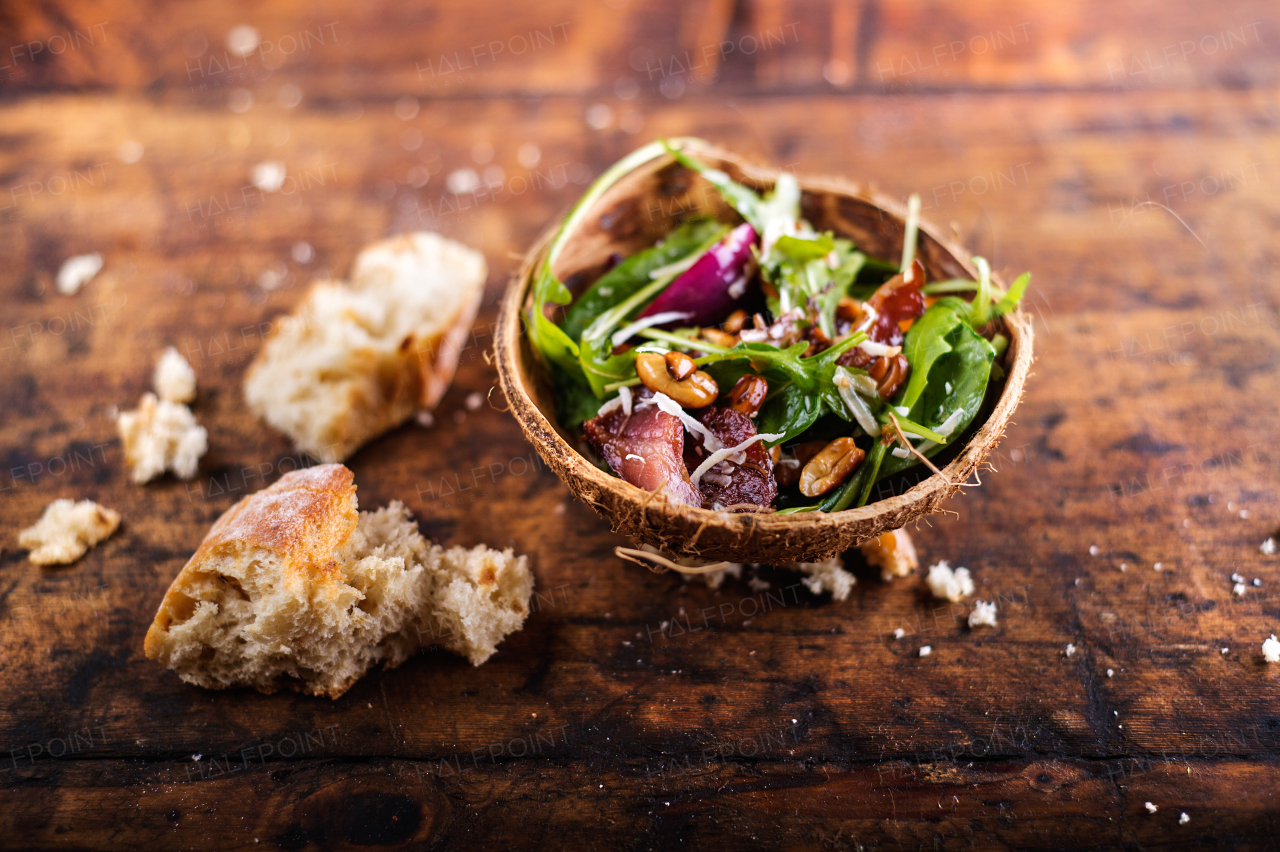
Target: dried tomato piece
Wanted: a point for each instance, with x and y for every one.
(897, 300)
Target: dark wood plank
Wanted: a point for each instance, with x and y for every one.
(1144, 212)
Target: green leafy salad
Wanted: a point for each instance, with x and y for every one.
(759, 365)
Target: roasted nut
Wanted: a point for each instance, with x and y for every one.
(734, 322)
(851, 310)
(893, 376)
(697, 390)
(679, 366)
(830, 467)
(748, 395)
(716, 337)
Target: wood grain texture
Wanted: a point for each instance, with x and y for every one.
(635, 704)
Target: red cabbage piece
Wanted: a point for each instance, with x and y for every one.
(715, 284)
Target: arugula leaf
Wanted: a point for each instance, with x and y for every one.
(633, 273)
(1011, 299)
(848, 264)
(805, 250)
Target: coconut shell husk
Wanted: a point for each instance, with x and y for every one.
(633, 215)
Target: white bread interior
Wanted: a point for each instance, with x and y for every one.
(161, 435)
(66, 530)
(294, 587)
(355, 360)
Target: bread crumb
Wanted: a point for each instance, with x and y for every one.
(758, 584)
(269, 175)
(1257, 582)
(159, 436)
(474, 400)
(1111, 672)
(898, 633)
(1094, 550)
(1070, 650)
(1159, 566)
(1225, 650)
(78, 271)
(1150, 807)
(926, 650)
(355, 360)
(949, 585)
(828, 576)
(714, 579)
(174, 379)
(1271, 650)
(1239, 589)
(67, 530)
(893, 553)
(1268, 547)
(1237, 577)
(1183, 819)
(983, 615)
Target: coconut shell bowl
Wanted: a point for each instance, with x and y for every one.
(635, 213)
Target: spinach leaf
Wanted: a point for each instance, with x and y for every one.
(954, 368)
(633, 273)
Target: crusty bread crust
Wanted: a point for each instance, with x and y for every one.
(305, 517)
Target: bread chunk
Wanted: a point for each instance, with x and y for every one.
(295, 587)
(174, 379)
(356, 360)
(893, 553)
(159, 436)
(67, 530)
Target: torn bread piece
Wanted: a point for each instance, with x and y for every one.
(356, 360)
(893, 553)
(295, 587)
(161, 435)
(174, 378)
(67, 530)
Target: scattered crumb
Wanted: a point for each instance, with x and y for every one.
(983, 615)
(1225, 650)
(78, 271)
(949, 585)
(159, 436)
(1238, 590)
(1150, 807)
(1124, 566)
(1111, 672)
(926, 650)
(67, 530)
(1244, 513)
(1237, 578)
(828, 576)
(425, 419)
(196, 757)
(1257, 582)
(1159, 566)
(1271, 650)
(1268, 547)
(758, 584)
(174, 379)
(269, 176)
(475, 399)
(1183, 819)
(714, 579)
(898, 633)
(1094, 550)
(1070, 650)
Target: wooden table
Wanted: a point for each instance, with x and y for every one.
(1127, 154)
